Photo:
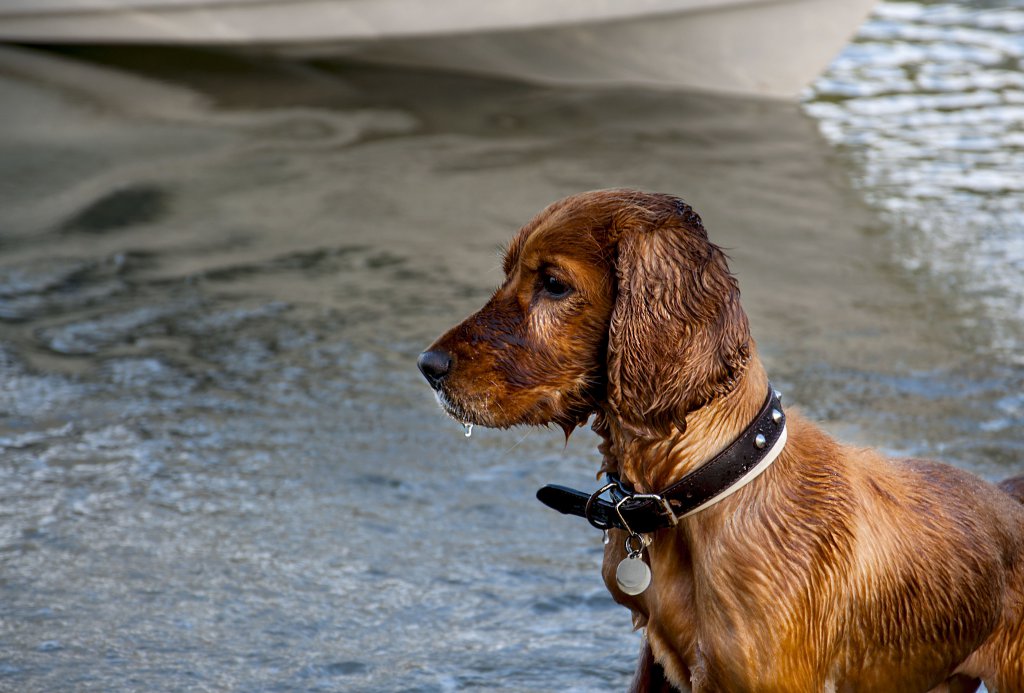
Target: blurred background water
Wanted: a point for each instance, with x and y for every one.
(219, 468)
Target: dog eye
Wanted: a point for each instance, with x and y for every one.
(554, 287)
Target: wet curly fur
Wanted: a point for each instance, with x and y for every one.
(836, 570)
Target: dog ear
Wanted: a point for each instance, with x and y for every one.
(678, 336)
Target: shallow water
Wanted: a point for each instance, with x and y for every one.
(929, 104)
(219, 468)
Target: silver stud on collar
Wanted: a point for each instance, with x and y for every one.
(760, 441)
(778, 395)
(776, 415)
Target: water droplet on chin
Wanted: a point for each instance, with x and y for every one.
(469, 429)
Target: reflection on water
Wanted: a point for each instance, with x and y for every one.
(929, 103)
(220, 468)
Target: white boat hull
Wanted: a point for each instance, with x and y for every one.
(754, 47)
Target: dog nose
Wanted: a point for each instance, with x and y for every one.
(434, 365)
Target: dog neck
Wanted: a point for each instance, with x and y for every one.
(652, 463)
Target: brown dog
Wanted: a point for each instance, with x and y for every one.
(836, 569)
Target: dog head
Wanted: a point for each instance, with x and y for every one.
(613, 301)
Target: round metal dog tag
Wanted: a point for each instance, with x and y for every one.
(632, 575)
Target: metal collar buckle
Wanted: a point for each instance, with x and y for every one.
(646, 496)
(627, 497)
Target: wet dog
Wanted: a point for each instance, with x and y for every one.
(835, 569)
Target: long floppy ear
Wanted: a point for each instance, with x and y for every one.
(678, 336)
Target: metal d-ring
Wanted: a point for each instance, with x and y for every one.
(590, 503)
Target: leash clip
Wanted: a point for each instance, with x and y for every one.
(632, 575)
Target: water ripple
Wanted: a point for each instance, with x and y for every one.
(928, 101)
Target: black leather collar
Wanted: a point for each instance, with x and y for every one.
(639, 513)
